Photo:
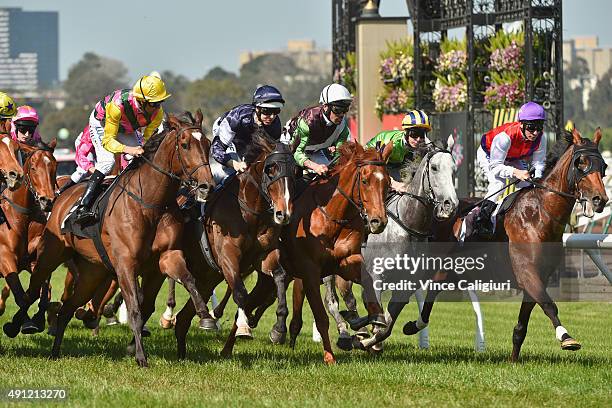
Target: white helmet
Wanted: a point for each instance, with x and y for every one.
(335, 93)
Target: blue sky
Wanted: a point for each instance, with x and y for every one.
(190, 37)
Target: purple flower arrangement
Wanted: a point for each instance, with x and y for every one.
(450, 98)
(507, 86)
(450, 90)
(509, 58)
(453, 60)
(504, 94)
(396, 65)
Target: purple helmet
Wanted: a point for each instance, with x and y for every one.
(531, 111)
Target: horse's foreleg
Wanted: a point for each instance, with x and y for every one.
(331, 302)
(217, 312)
(6, 291)
(231, 272)
(167, 319)
(296, 318)
(313, 294)
(69, 281)
(132, 295)
(520, 330)
(173, 264)
(151, 284)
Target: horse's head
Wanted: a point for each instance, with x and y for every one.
(585, 174)
(370, 187)
(40, 168)
(438, 182)
(11, 170)
(273, 163)
(191, 150)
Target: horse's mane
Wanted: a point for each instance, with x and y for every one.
(261, 142)
(151, 146)
(348, 150)
(39, 145)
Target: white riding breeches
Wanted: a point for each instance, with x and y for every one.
(496, 183)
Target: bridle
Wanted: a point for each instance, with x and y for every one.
(359, 206)
(286, 166)
(187, 180)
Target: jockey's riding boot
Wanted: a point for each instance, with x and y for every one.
(483, 226)
(66, 186)
(84, 212)
(2, 218)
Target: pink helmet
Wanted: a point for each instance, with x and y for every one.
(26, 112)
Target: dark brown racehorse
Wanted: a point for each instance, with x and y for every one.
(17, 204)
(574, 171)
(243, 223)
(332, 219)
(143, 193)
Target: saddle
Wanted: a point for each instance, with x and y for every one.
(92, 230)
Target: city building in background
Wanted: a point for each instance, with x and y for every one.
(598, 61)
(29, 50)
(304, 53)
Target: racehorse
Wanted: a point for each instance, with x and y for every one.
(332, 219)
(242, 223)
(574, 171)
(15, 204)
(143, 193)
(430, 196)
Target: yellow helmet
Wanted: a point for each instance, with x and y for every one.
(7, 106)
(416, 119)
(150, 88)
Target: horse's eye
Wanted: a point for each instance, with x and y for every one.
(364, 181)
(184, 146)
(582, 163)
(434, 167)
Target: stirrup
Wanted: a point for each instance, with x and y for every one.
(85, 216)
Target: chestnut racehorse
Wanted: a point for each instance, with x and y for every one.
(25, 209)
(331, 221)
(574, 171)
(143, 193)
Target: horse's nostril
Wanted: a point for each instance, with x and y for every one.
(12, 174)
(374, 222)
(597, 200)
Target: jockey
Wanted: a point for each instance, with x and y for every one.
(317, 132)
(24, 124)
(112, 128)
(503, 153)
(8, 109)
(413, 135)
(232, 131)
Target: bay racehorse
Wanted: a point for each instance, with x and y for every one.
(142, 195)
(332, 219)
(242, 223)
(573, 173)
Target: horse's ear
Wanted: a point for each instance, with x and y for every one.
(173, 122)
(199, 117)
(450, 142)
(576, 137)
(52, 144)
(597, 136)
(358, 149)
(386, 153)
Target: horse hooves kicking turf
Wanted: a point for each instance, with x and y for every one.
(11, 330)
(29, 327)
(570, 344)
(244, 332)
(167, 323)
(410, 328)
(277, 337)
(208, 324)
(345, 343)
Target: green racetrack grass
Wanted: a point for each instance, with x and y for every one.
(95, 371)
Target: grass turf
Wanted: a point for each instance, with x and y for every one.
(96, 371)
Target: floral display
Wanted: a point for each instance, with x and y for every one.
(450, 90)
(396, 66)
(507, 82)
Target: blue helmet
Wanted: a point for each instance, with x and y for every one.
(267, 96)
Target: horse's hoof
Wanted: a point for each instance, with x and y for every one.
(142, 362)
(11, 329)
(111, 321)
(349, 315)
(329, 359)
(52, 330)
(345, 343)
(378, 320)
(167, 324)
(226, 353)
(81, 313)
(91, 323)
(362, 333)
(244, 332)
(145, 332)
(208, 324)
(570, 344)
(410, 328)
(376, 349)
(28, 327)
(357, 343)
(292, 342)
(277, 337)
